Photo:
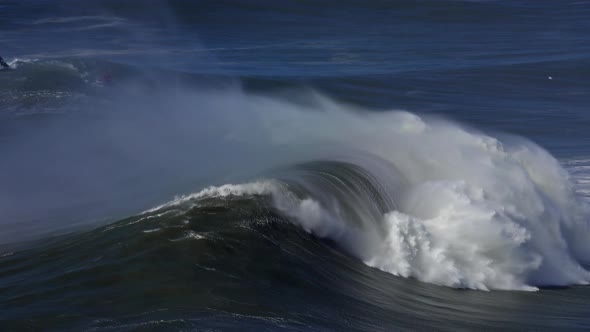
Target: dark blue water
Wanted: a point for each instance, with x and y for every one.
(375, 165)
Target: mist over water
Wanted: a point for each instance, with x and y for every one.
(252, 165)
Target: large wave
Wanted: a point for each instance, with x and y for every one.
(415, 196)
(420, 197)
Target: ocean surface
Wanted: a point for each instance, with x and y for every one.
(299, 165)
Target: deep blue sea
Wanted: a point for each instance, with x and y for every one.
(294, 165)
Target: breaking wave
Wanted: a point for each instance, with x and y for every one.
(424, 198)
(412, 195)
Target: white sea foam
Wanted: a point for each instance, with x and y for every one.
(189, 235)
(579, 168)
(16, 62)
(254, 188)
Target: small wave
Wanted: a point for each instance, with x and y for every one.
(16, 62)
(53, 20)
(189, 235)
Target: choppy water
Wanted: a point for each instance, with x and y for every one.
(331, 165)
